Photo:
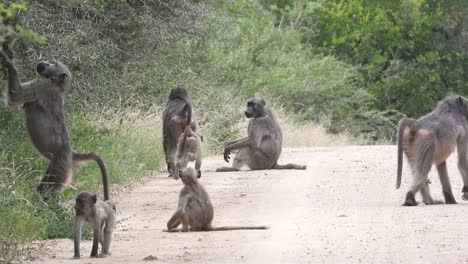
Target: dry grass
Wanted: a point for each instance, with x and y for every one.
(313, 135)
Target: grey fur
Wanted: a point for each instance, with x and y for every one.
(43, 102)
(430, 140)
(188, 149)
(261, 149)
(101, 214)
(176, 115)
(195, 210)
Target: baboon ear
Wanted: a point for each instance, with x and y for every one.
(460, 100)
(94, 198)
(180, 173)
(263, 102)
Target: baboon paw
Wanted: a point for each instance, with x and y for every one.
(410, 204)
(434, 202)
(76, 257)
(465, 196)
(102, 255)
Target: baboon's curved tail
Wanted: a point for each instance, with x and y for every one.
(83, 157)
(227, 228)
(290, 166)
(404, 123)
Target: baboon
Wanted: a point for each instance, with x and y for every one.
(101, 214)
(43, 102)
(261, 149)
(188, 149)
(430, 140)
(176, 116)
(194, 209)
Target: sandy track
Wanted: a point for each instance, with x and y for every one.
(343, 209)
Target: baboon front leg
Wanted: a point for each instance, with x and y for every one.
(444, 180)
(463, 164)
(96, 239)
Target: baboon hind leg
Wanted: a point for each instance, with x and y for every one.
(57, 175)
(420, 169)
(426, 194)
(444, 180)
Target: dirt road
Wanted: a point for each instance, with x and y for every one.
(343, 209)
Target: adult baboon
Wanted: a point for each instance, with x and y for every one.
(43, 102)
(101, 215)
(430, 140)
(188, 149)
(261, 149)
(194, 209)
(176, 116)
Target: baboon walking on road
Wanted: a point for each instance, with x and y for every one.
(101, 215)
(43, 102)
(430, 140)
(194, 210)
(176, 116)
(261, 149)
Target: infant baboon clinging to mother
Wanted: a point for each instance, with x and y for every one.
(261, 149)
(194, 210)
(430, 140)
(43, 101)
(188, 149)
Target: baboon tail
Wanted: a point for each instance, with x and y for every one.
(82, 157)
(404, 123)
(290, 166)
(227, 228)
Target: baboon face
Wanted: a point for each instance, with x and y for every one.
(57, 72)
(255, 107)
(178, 93)
(85, 203)
(188, 176)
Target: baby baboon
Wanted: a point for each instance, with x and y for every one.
(101, 215)
(43, 102)
(188, 149)
(431, 139)
(261, 149)
(194, 209)
(176, 116)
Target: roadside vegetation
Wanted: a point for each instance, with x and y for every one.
(338, 72)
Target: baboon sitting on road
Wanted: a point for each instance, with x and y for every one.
(43, 102)
(194, 209)
(430, 140)
(261, 149)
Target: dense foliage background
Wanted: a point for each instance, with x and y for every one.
(353, 66)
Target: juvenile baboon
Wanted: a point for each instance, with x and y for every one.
(261, 149)
(43, 102)
(101, 214)
(194, 209)
(176, 115)
(430, 140)
(188, 149)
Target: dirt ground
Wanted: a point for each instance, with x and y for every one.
(343, 209)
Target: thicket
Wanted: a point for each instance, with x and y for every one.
(355, 66)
